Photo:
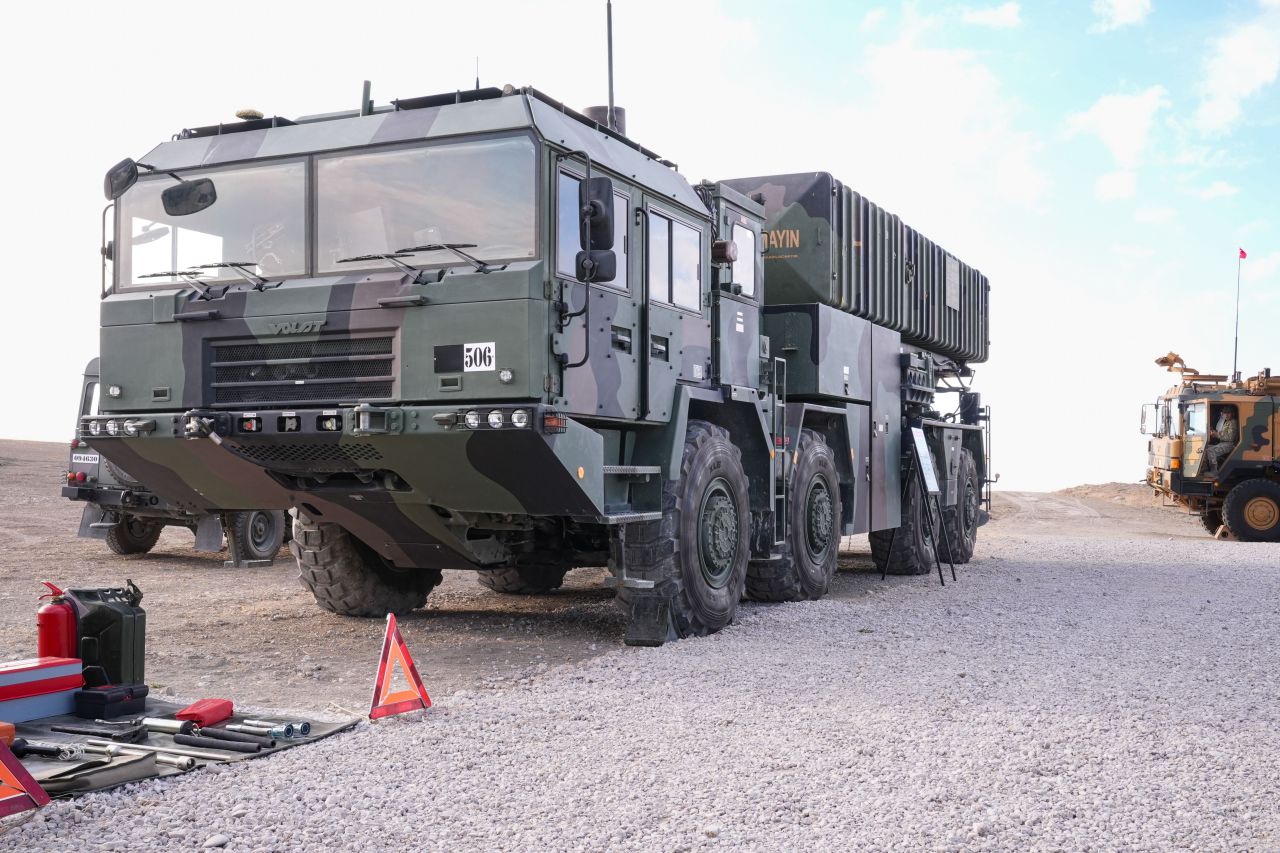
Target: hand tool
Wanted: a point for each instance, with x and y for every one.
(214, 743)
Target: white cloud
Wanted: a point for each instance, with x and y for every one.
(872, 19)
(1261, 268)
(983, 153)
(1114, 14)
(1116, 186)
(1133, 252)
(1218, 189)
(1122, 122)
(1003, 17)
(1241, 63)
(1154, 215)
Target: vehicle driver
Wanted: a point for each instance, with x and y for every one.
(1225, 436)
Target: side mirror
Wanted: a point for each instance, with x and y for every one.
(596, 265)
(119, 178)
(595, 201)
(188, 197)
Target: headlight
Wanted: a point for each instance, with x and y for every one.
(495, 419)
(114, 391)
(130, 428)
(472, 420)
(95, 427)
(505, 376)
(520, 418)
(113, 427)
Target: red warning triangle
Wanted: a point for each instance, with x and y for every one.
(412, 698)
(18, 791)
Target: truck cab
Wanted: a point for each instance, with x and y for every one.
(1236, 483)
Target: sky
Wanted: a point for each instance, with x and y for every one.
(1101, 161)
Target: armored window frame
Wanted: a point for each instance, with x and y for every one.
(749, 260)
(567, 248)
(119, 284)
(664, 290)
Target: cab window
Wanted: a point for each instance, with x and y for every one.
(568, 241)
(675, 262)
(744, 268)
(1197, 421)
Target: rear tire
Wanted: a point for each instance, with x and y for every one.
(133, 535)
(259, 533)
(960, 522)
(1252, 511)
(696, 554)
(523, 580)
(349, 578)
(804, 569)
(913, 545)
(1212, 520)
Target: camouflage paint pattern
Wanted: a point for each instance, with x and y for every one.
(376, 355)
(1175, 463)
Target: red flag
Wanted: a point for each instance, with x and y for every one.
(1243, 255)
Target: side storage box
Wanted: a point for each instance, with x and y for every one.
(828, 352)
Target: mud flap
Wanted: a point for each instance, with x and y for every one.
(649, 622)
(209, 533)
(93, 514)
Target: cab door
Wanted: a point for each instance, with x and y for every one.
(737, 318)
(601, 371)
(677, 326)
(1195, 436)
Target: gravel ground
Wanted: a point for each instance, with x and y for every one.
(1100, 678)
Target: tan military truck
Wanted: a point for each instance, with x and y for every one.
(1189, 421)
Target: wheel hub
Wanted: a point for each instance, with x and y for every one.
(1261, 513)
(259, 528)
(717, 534)
(818, 514)
(970, 510)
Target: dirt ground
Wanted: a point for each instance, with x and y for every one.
(256, 636)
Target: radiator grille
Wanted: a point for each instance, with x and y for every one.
(313, 453)
(328, 370)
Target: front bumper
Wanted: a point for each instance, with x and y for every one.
(398, 477)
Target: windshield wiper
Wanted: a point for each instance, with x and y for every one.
(190, 276)
(242, 268)
(456, 248)
(393, 258)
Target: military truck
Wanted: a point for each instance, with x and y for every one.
(483, 331)
(129, 517)
(1243, 490)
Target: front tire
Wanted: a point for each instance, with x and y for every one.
(523, 580)
(913, 545)
(960, 522)
(259, 534)
(804, 569)
(349, 578)
(133, 535)
(696, 554)
(1252, 511)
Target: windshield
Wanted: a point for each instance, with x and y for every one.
(481, 193)
(259, 219)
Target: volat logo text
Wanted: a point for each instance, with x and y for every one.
(296, 327)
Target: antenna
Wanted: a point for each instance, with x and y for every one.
(477, 74)
(613, 125)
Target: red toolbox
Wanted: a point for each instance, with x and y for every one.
(39, 687)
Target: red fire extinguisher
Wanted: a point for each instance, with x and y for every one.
(55, 625)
